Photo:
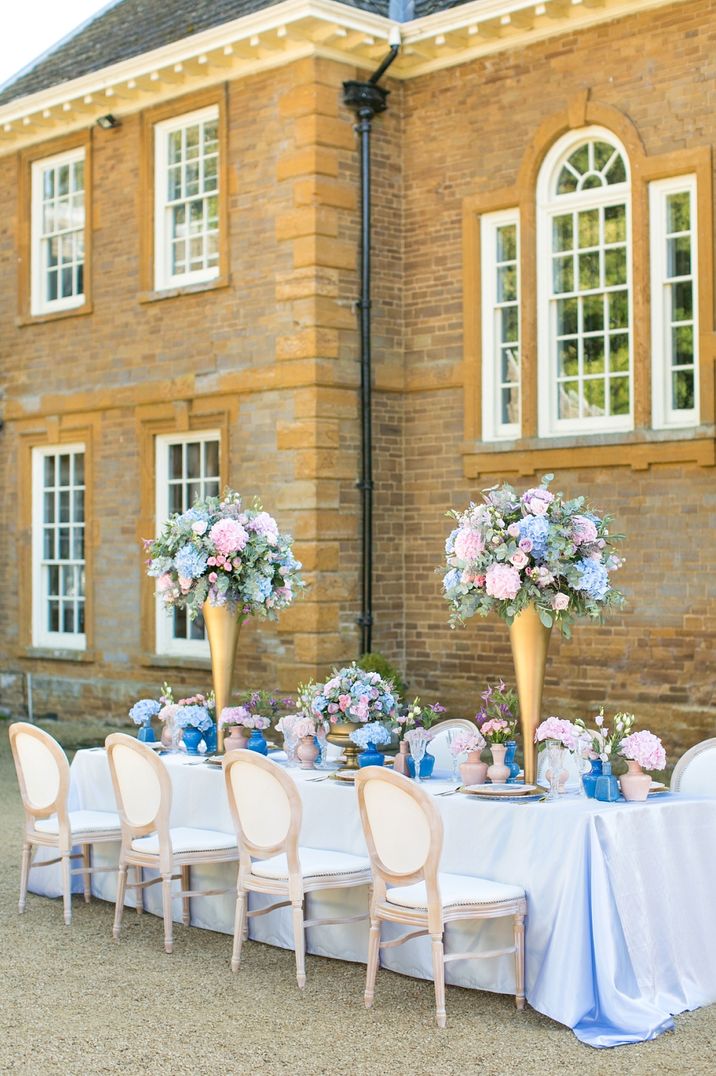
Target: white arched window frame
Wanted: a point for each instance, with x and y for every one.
(584, 288)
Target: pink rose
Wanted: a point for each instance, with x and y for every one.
(519, 559)
(185, 584)
(514, 530)
(537, 500)
(344, 702)
(502, 581)
(213, 577)
(164, 582)
(468, 544)
(526, 545)
(560, 601)
(199, 527)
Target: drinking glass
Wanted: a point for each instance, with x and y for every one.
(418, 744)
(455, 763)
(582, 766)
(322, 737)
(290, 743)
(555, 766)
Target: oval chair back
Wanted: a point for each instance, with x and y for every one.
(142, 789)
(265, 805)
(43, 774)
(695, 772)
(439, 745)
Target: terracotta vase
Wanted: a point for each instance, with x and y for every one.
(635, 784)
(474, 771)
(237, 739)
(529, 639)
(307, 752)
(498, 772)
(400, 762)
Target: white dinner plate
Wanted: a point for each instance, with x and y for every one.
(501, 789)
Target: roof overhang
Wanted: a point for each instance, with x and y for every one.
(288, 31)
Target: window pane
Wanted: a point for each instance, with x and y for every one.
(594, 355)
(211, 489)
(615, 224)
(568, 399)
(509, 328)
(679, 256)
(175, 461)
(176, 501)
(48, 543)
(619, 352)
(193, 460)
(507, 243)
(589, 271)
(567, 317)
(211, 457)
(507, 284)
(64, 506)
(567, 357)
(53, 619)
(593, 313)
(678, 212)
(615, 267)
(562, 232)
(682, 302)
(589, 228)
(48, 513)
(683, 345)
(64, 479)
(594, 398)
(78, 543)
(619, 395)
(510, 405)
(683, 390)
(563, 274)
(618, 310)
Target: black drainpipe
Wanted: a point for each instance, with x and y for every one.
(366, 99)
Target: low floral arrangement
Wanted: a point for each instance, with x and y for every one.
(498, 703)
(233, 716)
(374, 732)
(144, 710)
(465, 741)
(416, 716)
(605, 743)
(222, 553)
(559, 729)
(351, 694)
(172, 711)
(418, 736)
(644, 748)
(513, 550)
(303, 726)
(193, 716)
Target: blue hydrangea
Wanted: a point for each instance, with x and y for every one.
(143, 711)
(374, 733)
(190, 562)
(451, 579)
(593, 578)
(196, 717)
(536, 528)
(450, 542)
(194, 515)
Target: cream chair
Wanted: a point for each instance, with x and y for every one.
(43, 774)
(695, 772)
(143, 790)
(404, 833)
(439, 745)
(267, 811)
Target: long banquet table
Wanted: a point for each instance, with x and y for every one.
(620, 929)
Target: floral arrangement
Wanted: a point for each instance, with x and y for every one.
(193, 716)
(465, 741)
(351, 694)
(511, 551)
(374, 732)
(285, 725)
(144, 710)
(418, 736)
(606, 743)
(171, 711)
(241, 715)
(558, 728)
(416, 716)
(222, 553)
(304, 726)
(498, 703)
(497, 731)
(262, 702)
(646, 749)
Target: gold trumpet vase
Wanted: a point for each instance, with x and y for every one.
(529, 639)
(340, 735)
(222, 626)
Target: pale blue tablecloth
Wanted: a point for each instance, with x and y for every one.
(620, 931)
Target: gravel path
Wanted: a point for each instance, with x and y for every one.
(72, 1002)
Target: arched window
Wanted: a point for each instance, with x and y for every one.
(584, 285)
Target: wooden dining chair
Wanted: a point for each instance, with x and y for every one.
(404, 833)
(439, 745)
(695, 772)
(143, 791)
(267, 811)
(43, 774)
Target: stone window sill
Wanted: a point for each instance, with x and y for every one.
(190, 289)
(41, 653)
(167, 661)
(55, 315)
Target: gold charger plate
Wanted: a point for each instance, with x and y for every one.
(346, 776)
(497, 792)
(213, 760)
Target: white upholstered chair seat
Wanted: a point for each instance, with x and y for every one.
(82, 822)
(186, 839)
(314, 862)
(455, 889)
(695, 772)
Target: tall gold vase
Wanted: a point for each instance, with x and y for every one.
(222, 627)
(529, 639)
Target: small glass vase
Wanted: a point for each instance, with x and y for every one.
(589, 780)
(512, 766)
(607, 787)
(192, 739)
(371, 756)
(146, 733)
(257, 742)
(427, 765)
(555, 769)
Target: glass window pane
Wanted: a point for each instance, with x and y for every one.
(81, 616)
(679, 256)
(619, 395)
(678, 212)
(682, 345)
(615, 224)
(64, 506)
(78, 506)
(507, 284)
(63, 552)
(211, 489)
(509, 328)
(196, 628)
(180, 624)
(48, 510)
(594, 397)
(567, 317)
(568, 399)
(619, 352)
(594, 355)
(579, 160)
(589, 270)
(48, 183)
(193, 459)
(683, 390)
(562, 233)
(593, 313)
(567, 358)
(211, 458)
(53, 581)
(64, 472)
(567, 182)
(615, 267)
(193, 492)
(563, 274)
(176, 500)
(618, 310)
(211, 135)
(589, 228)
(78, 543)
(78, 176)
(53, 617)
(79, 468)
(510, 399)
(48, 543)
(63, 179)
(616, 173)
(682, 301)
(602, 155)
(175, 461)
(68, 616)
(507, 243)
(49, 470)
(510, 365)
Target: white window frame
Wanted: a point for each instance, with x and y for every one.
(41, 636)
(38, 278)
(163, 277)
(664, 416)
(493, 429)
(549, 206)
(165, 643)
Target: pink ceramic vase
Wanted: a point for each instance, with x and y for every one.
(237, 739)
(307, 752)
(400, 762)
(498, 772)
(473, 772)
(635, 784)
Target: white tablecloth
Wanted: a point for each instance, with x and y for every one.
(620, 930)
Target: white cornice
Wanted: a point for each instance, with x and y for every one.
(285, 32)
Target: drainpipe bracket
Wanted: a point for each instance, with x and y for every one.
(365, 98)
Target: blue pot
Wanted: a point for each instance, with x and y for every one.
(192, 738)
(210, 739)
(607, 786)
(514, 769)
(589, 780)
(427, 765)
(146, 734)
(371, 756)
(257, 742)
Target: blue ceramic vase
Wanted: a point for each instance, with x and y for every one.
(371, 756)
(607, 786)
(192, 738)
(257, 742)
(427, 765)
(514, 769)
(146, 733)
(589, 780)
(210, 739)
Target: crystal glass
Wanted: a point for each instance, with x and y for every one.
(555, 765)
(582, 766)
(290, 743)
(455, 763)
(322, 737)
(418, 744)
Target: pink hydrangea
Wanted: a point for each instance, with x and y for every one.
(502, 581)
(558, 728)
(304, 727)
(583, 530)
(228, 536)
(465, 741)
(165, 582)
(537, 500)
(646, 749)
(233, 715)
(469, 544)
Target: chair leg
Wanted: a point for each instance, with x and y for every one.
(373, 957)
(167, 905)
(299, 942)
(138, 891)
(86, 876)
(24, 874)
(439, 977)
(520, 961)
(67, 888)
(240, 922)
(186, 901)
(119, 899)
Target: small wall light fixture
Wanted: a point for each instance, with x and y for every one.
(108, 122)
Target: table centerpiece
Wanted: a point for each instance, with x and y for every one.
(369, 737)
(351, 697)
(537, 560)
(417, 715)
(141, 714)
(605, 743)
(227, 563)
(470, 742)
(556, 735)
(643, 751)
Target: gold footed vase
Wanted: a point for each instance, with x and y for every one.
(529, 639)
(222, 626)
(340, 735)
